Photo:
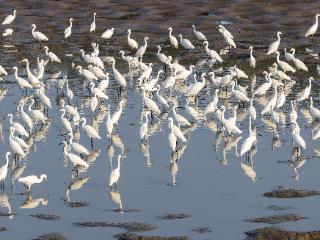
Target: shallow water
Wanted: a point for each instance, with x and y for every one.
(211, 186)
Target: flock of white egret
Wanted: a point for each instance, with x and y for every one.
(161, 91)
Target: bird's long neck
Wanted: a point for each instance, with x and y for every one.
(70, 23)
(278, 37)
(10, 119)
(27, 66)
(251, 50)
(34, 28)
(63, 113)
(65, 150)
(14, 14)
(118, 167)
(317, 19)
(170, 32)
(159, 49)
(311, 102)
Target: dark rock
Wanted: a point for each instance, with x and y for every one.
(3, 229)
(131, 226)
(201, 230)
(275, 219)
(172, 216)
(77, 204)
(123, 210)
(278, 208)
(51, 236)
(273, 233)
(45, 216)
(131, 236)
(290, 193)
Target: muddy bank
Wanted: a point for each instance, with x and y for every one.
(51, 236)
(131, 226)
(131, 236)
(275, 219)
(172, 216)
(45, 216)
(201, 230)
(278, 233)
(290, 193)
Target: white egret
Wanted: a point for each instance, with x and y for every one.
(186, 43)
(285, 66)
(314, 111)
(272, 103)
(144, 128)
(35, 82)
(36, 114)
(172, 138)
(195, 88)
(249, 141)
(141, 50)
(227, 36)
(199, 35)
(32, 179)
(68, 30)
(115, 174)
(181, 120)
(97, 91)
(22, 82)
(191, 111)
(4, 170)
(212, 53)
(117, 75)
(161, 99)
(281, 98)
(109, 123)
(252, 110)
(53, 57)
(262, 89)
(107, 34)
(18, 127)
(77, 147)
(19, 140)
(10, 18)
(177, 131)
(74, 159)
(90, 131)
(240, 96)
(25, 117)
(94, 102)
(116, 115)
(273, 47)
(66, 124)
(296, 137)
(14, 145)
(93, 24)
(297, 62)
(229, 125)
(305, 92)
(131, 42)
(7, 32)
(150, 104)
(288, 56)
(173, 39)
(313, 29)
(161, 56)
(38, 35)
(252, 60)
(293, 114)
